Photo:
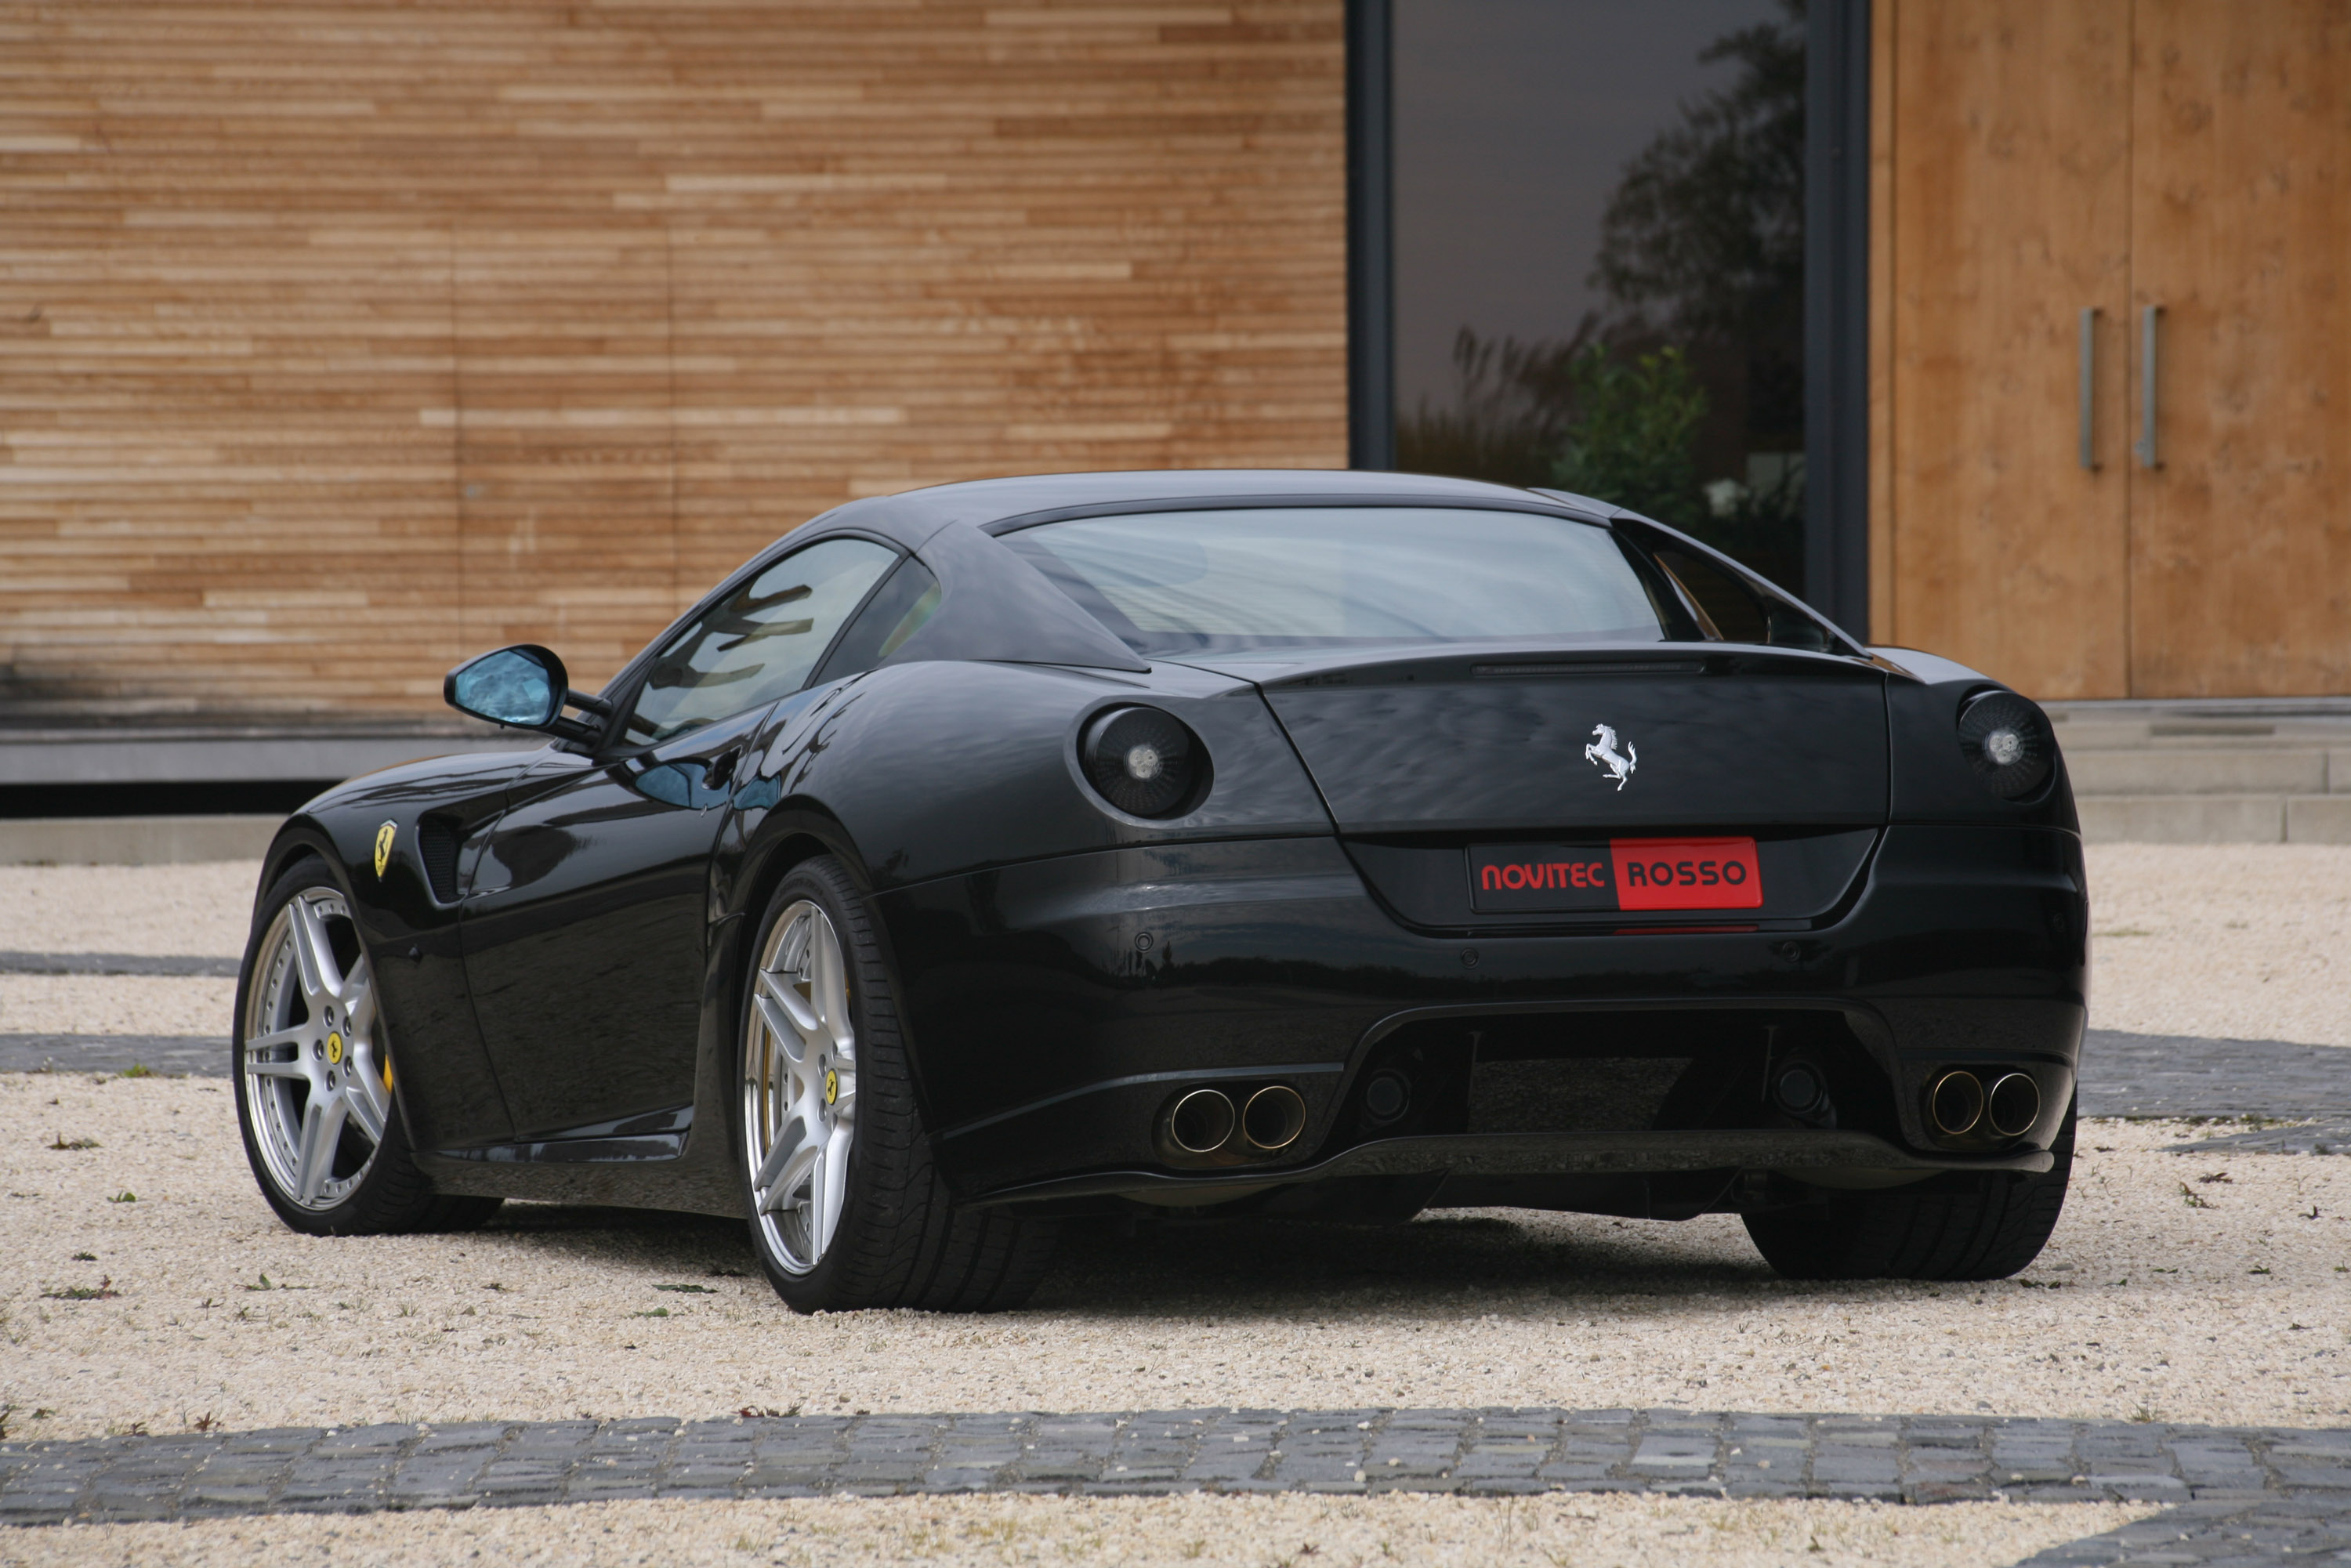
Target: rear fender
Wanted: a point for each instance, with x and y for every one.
(1932, 780)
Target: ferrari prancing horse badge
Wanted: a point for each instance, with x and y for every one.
(383, 837)
(1602, 751)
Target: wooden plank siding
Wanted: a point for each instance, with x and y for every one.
(340, 339)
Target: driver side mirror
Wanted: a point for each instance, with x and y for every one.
(523, 687)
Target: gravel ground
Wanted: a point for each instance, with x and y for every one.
(115, 1004)
(198, 909)
(1632, 1531)
(2230, 941)
(2163, 1294)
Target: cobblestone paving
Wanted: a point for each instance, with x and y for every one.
(2231, 1474)
(192, 1055)
(116, 964)
(2184, 1075)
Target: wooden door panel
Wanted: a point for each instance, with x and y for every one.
(2010, 130)
(2241, 541)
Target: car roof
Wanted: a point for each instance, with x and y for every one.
(912, 516)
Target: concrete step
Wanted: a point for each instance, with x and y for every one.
(2247, 770)
(2216, 819)
(133, 841)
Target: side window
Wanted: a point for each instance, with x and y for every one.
(1741, 612)
(760, 643)
(895, 612)
(1727, 602)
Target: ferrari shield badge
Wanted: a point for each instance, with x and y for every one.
(384, 835)
(1602, 753)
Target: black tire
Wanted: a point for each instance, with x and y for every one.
(901, 1241)
(392, 1197)
(1948, 1228)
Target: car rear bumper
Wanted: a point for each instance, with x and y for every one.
(1056, 1007)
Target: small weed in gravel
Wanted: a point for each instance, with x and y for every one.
(688, 1290)
(85, 1256)
(125, 1196)
(103, 1291)
(656, 1312)
(2187, 1195)
(60, 1141)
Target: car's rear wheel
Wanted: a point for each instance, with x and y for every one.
(1954, 1227)
(315, 1077)
(846, 1210)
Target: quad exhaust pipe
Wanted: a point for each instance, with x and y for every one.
(1273, 1118)
(1199, 1123)
(1202, 1123)
(1960, 1106)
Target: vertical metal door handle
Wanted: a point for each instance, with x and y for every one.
(2089, 386)
(2147, 455)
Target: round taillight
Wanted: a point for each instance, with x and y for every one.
(2008, 742)
(1144, 762)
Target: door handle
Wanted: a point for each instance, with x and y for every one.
(719, 772)
(2147, 455)
(2089, 399)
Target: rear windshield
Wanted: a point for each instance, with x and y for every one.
(1273, 578)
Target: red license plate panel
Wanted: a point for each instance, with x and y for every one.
(1687, 874)
(1621, 874)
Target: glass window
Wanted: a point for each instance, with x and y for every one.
(1225, 581)
(1735, 610)
(895, 612)
(760, 643)
(1599, 257)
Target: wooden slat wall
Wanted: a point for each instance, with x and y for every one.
(337, 340)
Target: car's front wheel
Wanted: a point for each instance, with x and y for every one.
(315, 1077)
(846, 1210)
(1953, 1226)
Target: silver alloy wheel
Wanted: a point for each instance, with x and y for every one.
(800, 1087)
(316, 1074)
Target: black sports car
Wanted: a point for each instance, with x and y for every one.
(1306, 843)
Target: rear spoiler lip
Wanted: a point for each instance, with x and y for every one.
(1492, 660)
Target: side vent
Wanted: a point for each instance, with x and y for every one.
(437, 843)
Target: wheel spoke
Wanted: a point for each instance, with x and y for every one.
(830, 988)
(314, 955)
(358, 997)
(297, 1068)
(371, 1102)
(777, 985)
(829, 1189)
(298, 1036)
(793, 954)
(322, 1130)
(788, 1138)
(805, 1160)
(792, 1040)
